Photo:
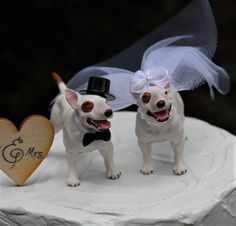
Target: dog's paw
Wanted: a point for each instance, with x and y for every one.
(146, 170)
(179, 170)
(72, 182)
(113, 174)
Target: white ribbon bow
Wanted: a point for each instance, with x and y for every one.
(141, 81)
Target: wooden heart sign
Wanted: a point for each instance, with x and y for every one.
(21, 151)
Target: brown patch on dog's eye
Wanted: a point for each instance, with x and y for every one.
(87, 106)
(146, 97)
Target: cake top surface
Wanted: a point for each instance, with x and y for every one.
(209, 156)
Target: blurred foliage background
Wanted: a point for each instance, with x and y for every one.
(38, 37)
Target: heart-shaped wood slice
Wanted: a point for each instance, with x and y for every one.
(21, 151)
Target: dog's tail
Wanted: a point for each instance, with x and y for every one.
(57, 78)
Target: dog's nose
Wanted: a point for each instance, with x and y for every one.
(108, 113)
(161, 103)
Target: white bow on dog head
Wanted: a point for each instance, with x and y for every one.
(141, 81)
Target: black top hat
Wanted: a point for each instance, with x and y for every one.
(98, 86)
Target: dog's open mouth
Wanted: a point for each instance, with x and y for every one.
(99, 124)
(160, 116)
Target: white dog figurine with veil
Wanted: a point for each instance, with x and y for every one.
(174, 57)
(160, 117)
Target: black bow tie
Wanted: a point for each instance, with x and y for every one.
(90, 137)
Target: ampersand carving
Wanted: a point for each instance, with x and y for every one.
(11, 153)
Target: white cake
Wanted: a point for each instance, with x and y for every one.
(206, 195)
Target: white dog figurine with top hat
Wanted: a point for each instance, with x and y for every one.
(83, 119)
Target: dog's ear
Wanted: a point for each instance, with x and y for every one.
(167, 88)
(135, 95)
(71, 97)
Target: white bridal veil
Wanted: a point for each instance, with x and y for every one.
(179, 53)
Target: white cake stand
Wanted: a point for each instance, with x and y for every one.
(204, 196)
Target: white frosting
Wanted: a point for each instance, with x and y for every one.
(205, 195)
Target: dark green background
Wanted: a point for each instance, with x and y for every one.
(38, 37)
